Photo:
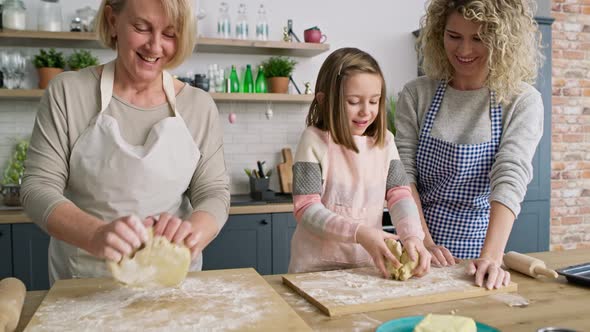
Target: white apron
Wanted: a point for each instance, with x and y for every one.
(110, 178)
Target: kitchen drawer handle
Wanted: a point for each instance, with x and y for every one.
(263, 222)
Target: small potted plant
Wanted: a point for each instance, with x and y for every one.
(277, 71)
(13, 174)
(49, 64)
(81, 59)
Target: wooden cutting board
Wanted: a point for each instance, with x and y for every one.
(358, 290)
(285, 171)
(237, 299)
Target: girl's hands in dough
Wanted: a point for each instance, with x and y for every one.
(496, 276)
(441, 256)
(118, 238)
(416, 250)
(373, 240)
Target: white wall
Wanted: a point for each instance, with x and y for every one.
(381, 27)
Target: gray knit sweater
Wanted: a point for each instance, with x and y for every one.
(464, 118)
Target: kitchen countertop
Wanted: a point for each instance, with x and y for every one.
(240, 204)
(551, 303)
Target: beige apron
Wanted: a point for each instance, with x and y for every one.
(110, 178)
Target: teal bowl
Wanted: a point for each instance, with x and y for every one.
(407, 324)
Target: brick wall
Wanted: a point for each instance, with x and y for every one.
(570, 167)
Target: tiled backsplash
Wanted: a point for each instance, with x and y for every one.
(252, 137)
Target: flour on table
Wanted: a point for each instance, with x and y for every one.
(366, 285)
(197, 304)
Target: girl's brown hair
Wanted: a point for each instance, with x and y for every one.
(328, 112)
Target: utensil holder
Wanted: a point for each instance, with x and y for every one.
(259, 189)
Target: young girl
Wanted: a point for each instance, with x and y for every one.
(345, 166)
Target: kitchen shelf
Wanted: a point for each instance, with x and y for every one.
(25, 94)
(262, 97)
(204, 45)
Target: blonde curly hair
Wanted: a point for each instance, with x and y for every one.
(508, 30)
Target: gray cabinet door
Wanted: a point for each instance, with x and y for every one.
(5, 252)
(530, 232)
(283, 227)
(244, 241)
(30, 246)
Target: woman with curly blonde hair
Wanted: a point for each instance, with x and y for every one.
(468, 130)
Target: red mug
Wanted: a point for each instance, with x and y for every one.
(314, 35)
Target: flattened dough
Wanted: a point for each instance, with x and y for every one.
(405, 271)
(446, 323)
(157, 263)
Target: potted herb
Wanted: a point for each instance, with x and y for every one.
(391, 115)
(49, 64)
(81, 59)
(13, 174)
(277, 71)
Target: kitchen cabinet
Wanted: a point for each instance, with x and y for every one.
(531, 229)
(244, 241)
(29, 251)
(530, 232)
(5, 252)
(283, 227)
(262, 241)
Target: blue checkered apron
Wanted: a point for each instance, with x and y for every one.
(454, 183)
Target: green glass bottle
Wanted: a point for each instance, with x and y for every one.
(261, 81)
(233, 79)
(248, 83)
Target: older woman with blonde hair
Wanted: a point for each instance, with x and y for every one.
(468, 130)
(121, 146)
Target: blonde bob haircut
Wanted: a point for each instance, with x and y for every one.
(328, 108)
(179, 12)
(508, 30)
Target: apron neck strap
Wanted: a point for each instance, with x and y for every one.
(107, 79)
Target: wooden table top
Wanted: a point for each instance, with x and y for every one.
(551, 303)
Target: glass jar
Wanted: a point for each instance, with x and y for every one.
(14, 15)
(86, 16)
(49, 16)
(242, 23)
(224, 21)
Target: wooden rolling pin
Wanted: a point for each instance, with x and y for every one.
(12, 297)
(527, 265)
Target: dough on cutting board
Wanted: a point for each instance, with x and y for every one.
(157, 263)
(446, 323)
(405, 271)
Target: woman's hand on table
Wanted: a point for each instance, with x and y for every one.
(121, 237)
(496, 276)
(441, 256)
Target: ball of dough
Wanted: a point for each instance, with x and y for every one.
(404, 272)
(157, 263)
(446, 323)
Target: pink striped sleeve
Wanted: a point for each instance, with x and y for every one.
(404, 212)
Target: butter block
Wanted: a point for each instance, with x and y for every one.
(446, 323)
